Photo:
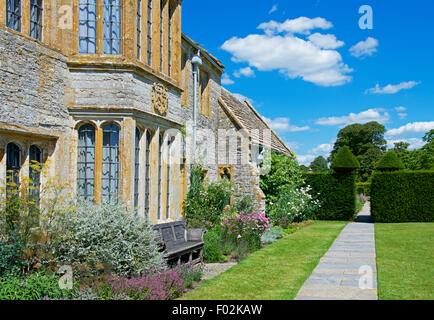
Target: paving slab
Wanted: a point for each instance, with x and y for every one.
(348, 270)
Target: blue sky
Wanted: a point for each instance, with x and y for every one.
(309, 69)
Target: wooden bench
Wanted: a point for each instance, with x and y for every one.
(180, 244)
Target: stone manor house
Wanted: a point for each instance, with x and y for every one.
(96, 91)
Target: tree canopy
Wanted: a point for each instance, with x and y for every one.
(319, 164)
(418, 159)
(365, 141)
(360, 138)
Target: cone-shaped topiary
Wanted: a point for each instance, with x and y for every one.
(345, 160)
(389, 162)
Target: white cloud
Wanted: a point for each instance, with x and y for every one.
(300, 25)
(273, 9)
(292, 56)
(392, 88)
(305, 159)
(324, 148)
(415, 143)
(325, 41)
(362, 117)
(364, 48)
(246, 72)
(282, 125)
(227, 80)
(400, 109)
(414, 127)
(320, 150)
(402, 115)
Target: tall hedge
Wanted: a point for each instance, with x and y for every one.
(337, 194)
(402, 196)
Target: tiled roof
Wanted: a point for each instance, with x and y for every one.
(251, 120)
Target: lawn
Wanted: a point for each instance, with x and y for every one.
(275, 272)
(405, 260)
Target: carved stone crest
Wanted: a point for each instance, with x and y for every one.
(159, 98)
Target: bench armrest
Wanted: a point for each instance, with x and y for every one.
(194, 234)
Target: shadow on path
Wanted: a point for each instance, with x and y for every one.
(364, 215)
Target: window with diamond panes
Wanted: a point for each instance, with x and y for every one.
(110, 164)
(112, 26)
(86, 162)
(13, 14)
(87, 26)
(36, 8)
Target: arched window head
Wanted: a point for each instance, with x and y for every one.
(110, 164)
(86, 161)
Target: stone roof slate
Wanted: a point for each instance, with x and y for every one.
(251, 120)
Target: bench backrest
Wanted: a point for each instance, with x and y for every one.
(172, 233)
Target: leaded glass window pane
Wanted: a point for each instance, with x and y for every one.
(149, 31)
(139, 28)
(137, 168)
(169, 143)
(160, 173)
(35, 158)
(87, 26)
(169, 50)
(148, 165)
(36, 7)
(110, 164)
(162, 3)
(13, 14)
(86, 162)
(13, 167)
(112, 26)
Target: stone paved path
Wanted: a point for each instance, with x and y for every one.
(348, 270)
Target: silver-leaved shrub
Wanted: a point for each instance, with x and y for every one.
(108, 235)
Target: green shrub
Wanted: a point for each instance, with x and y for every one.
(191, 274)
(402, 196)
(272, 235)
(106, 234)
(204, 204)
(11, 250)
(293, 205)
(344, 160)
(284, 174)
(390, 162)
(336, 192)
(212, 252)
(244, 204)
(34, 287)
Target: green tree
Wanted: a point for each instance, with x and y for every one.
(284, 173)
(319, 164)
(367, 162)
(366, 142)
(418, 159)
(304, 168)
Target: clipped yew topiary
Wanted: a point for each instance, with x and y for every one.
(402, 196)
(390, 162)
(345, 160)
